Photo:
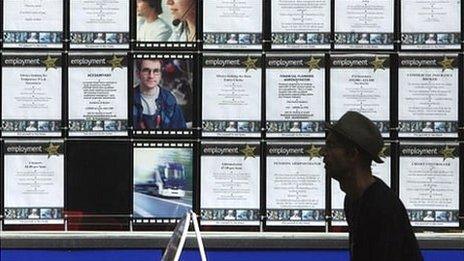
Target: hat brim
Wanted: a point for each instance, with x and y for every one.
(331, 127)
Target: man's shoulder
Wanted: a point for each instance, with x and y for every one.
(137, 92)
(167, 96)
(383, 200)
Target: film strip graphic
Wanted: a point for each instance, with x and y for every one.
(162, 56)
(364, 38)
(167, 187)
(35, 127)
(295, 128)
(300, 38)
(425, 216)
(296, 215)
(163, 144)
(33, 39)
(153, 221)
(163, 132)
(166, 44)
(232, 38)
(230, 216)
(338, 215)
(428, 128)
(33, 215)
(431, 38)
(383, 126)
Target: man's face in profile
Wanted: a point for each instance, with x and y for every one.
(335, 158)
(149, 73)
(143, 8)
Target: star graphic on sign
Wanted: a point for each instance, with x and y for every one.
(382, 152)
(52, 150)
(447, 152)
(116, 62)
(378, 63)
(446, 63)
(314, 152)
(50, 63)
(248, 151)
(313, 64)
(250, 63)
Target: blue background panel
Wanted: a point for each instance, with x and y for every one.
(223, 255)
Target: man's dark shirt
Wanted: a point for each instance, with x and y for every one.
(379, 226)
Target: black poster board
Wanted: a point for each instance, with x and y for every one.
(99, 185)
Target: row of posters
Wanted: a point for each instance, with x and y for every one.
(164, 93)
(232, 24)
(234, 181)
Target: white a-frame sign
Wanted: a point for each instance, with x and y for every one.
(176, 243)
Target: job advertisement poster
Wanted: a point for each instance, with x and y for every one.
(429, 183)
(161, 23)
(31, 94)
(163, 181)
(163, 94)
(97, 94)
(232, 24)
(364, 24)
(300, 24)
(231, 95)
(33, 23)
(428, 95)
(379, 170)
(431, 24)
(99, 24)
(230, 184)
(295, 184)
(361, 83)
(295, 95)
(33, 182)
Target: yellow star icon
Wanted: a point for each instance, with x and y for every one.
(52, 150)
(248, 151)
(116, 62)
(250, 64)
(50, 62)
(378, 63)
(382, 152)
(447, 152)
(314, 152)
(313, 64)
(446, 63)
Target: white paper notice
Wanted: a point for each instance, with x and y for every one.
(231, 95)
(429, 184)
(365, 24)
(33, 23)
(431, 24)
(295, 193)
(295, 95)
(428, 95)
(99, 23)
(34, 183)
(31, 95)
(361, 83)
(338, 197)
(97, 95)
(300, 24)
(230, 184)
(232, 24)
